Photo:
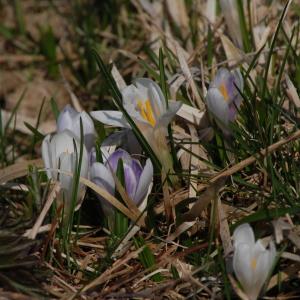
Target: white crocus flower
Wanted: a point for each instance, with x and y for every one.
(61, 151)
(137, 179)
(223, 97)
(69, 119)
(144, 102)
(252, 262)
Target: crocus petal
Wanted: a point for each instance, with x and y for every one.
(65, 118)
(167, 117)
(102, 176)
(221, 76)
(46, 155)
(130, 181)
(113, 159)
(88, 129)
(217, 106)
(261, 273)
(66, 164)
(137, 168)
(132, 97)
(243, 234)
(126, 138)
(110, 117)
(155, 95)
(144, 182)
(241, 266)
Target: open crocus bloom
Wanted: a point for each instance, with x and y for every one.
(69, 119)
(59, 152)
(223, 98)
(252, 262)
(138, 180)
(146, 105)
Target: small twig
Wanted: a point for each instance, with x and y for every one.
(52, 196)
(239, 166)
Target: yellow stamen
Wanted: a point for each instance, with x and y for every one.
(223, 90)
(149, 113)
(253, 263)
(146, 111)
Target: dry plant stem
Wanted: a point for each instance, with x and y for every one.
(103, 277)
(250, 160)
(240, 166)
(21, 169)
(224, 229)
(167, 202)
(18, 170)
(52, 196)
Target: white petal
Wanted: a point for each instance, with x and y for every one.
(102, 176)
(167, 117)
(244, 234)
(157, 100)
(132, 94)
(222, 76)
(144, 182)
(241, 265)
(46, 155)
(110, 117)
(67, 164)
(88, 129)
(263, 268)
(153, 93)
(63, 142)
(218, 106)
(65, 118)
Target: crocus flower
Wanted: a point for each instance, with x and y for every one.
(59, 152)
(223, 97)
(137, 179)
(252, 262)
(144, 102)
(69, 119)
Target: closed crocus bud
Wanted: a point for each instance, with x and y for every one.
(223, 98)
(137, 179)
(252, 262)
(69, 119)
(61, 151)
(145, 103)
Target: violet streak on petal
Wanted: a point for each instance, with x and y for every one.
(112, 161)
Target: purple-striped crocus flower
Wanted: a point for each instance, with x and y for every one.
(138, 179)
(223, 98)
(146, 105)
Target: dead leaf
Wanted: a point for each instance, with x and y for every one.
(204, 199)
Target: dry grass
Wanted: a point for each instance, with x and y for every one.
(187, 231)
